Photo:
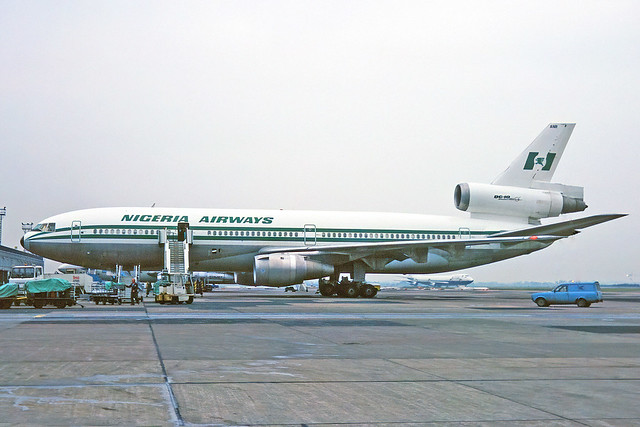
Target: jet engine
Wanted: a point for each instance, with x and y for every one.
(533, 203)
(287, 269)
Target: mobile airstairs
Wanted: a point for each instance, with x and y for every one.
(175, 285)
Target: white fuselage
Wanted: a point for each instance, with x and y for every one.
(228, 240)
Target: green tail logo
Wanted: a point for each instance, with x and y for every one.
(533, 160)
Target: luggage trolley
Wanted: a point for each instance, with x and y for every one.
(107, 293)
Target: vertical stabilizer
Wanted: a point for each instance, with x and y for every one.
(539, 160)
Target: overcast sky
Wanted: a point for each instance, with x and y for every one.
(350, 105)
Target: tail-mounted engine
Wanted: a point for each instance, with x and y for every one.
(529, 203)
(287, 269)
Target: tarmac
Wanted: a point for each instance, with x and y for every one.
(266, 357)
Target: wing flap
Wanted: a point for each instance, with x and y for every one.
(562, 229)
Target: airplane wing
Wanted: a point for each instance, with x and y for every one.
(563, 229)
(377, 255)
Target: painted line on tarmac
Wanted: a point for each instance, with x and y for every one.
(116, 316)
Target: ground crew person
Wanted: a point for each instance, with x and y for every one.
(149, 288)
(134, 291)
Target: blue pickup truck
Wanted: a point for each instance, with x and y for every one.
(582, 294)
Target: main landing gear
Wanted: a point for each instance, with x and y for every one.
(346, 288)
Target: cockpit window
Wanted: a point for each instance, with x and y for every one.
(48, 226)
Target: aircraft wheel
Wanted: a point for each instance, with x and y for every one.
(368, 291)
(351, 291)
(190, 300)
(542, 302)
(38, 304)
(583, 303)
(60, 304)
(327, 289)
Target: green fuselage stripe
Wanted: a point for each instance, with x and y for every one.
(324, 235)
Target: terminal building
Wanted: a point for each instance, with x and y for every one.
(12, 257)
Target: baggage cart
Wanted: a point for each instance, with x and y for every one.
(57, 292)
(107, 293)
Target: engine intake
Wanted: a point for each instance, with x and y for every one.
(287, 269)
(519, 202)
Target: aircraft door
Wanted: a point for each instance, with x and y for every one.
(464, 232)
(76, 231)
(309, 234)
(184, 233)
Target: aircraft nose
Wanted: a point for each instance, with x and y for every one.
(24, 244)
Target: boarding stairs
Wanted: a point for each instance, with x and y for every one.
(176, 253)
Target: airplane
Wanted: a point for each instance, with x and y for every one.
(451, 281)
(144, 276)
(282, 248)
(421, 281)
(107, 275)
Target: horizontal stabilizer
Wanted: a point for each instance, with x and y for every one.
(565, 228)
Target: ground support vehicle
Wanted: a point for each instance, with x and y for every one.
(174, 288)
(208, 287)
(107, 293)
(81, 282)
(581, 294)
(20, 275)
(57, 292)
(9, 295)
